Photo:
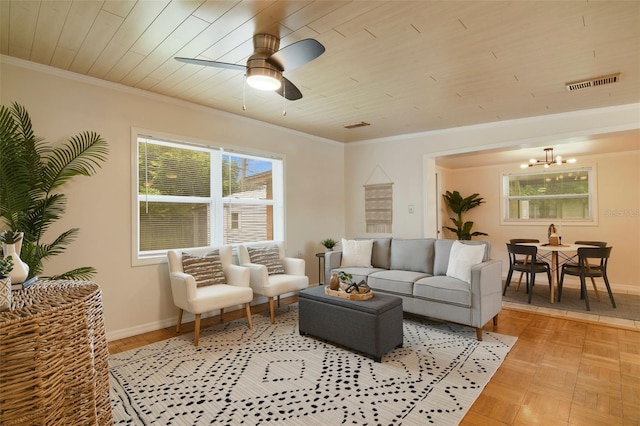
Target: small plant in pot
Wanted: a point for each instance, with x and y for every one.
(329, 243)
(6, 266)
(10, 237)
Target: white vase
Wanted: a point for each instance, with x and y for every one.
(20, 269)
(5, 294)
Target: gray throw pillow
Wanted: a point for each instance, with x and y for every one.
(267, 256)
(205, 270)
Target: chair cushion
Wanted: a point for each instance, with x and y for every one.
(462, 258)
(356, 253)
(205, 270)
(268, 256)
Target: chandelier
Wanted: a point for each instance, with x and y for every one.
(549, 159)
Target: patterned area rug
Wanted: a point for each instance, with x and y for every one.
(272, 375)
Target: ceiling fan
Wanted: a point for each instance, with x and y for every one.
(265, 66)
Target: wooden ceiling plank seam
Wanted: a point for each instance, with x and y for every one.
(168, 20)
(164, 52)
(51, 20)
(160, 62)
(101, 33)
(80, 18)
(134, 25)
(23, 20)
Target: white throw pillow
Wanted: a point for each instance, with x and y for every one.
(356, 253)
(462, 257)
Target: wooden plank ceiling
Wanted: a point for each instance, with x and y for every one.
(402, 66)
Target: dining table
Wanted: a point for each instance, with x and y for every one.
(559, 254)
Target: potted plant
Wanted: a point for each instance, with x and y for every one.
(460, 205)
(11, 250)
(329, 243)
(31, 175)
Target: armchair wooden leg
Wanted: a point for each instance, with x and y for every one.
(272, 310)
(495, 321)
(221, 315)
(179, 320)
(479, 334)
(247, 307)
(196, 338)
(278, 301)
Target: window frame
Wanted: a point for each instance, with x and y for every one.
(592, 197)
(216, 199)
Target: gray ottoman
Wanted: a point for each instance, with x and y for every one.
(373, 326)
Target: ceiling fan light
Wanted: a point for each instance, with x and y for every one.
(261, 75)
(263, 82)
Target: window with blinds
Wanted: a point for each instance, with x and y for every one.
(190, 196)
(565, 195)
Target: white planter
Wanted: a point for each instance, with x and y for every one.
(20, 269)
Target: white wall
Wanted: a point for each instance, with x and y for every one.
(138, 299)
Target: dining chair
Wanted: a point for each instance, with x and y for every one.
(588, 256)
(524, 258)
(574, 261)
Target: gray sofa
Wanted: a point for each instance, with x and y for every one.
(416, 270)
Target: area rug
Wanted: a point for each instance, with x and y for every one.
(272, 375)
(627, 305)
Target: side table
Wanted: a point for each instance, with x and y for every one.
(54, 367)
(320, 257)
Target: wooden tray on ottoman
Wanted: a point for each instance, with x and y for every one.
(363, 295)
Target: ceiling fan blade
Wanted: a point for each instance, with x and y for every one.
(296, 54)
(211, 63)
(289, 91)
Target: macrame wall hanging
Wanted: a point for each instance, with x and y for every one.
(378, 202)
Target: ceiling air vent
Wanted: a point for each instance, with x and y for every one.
(356, 125)
(593, 82)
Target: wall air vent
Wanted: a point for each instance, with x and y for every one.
(593, 82)
(356, 125)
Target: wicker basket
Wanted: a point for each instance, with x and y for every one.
(54, 368)
(362, 295)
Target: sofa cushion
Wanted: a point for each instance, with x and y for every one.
(443, 248)
(381, 253)
(443, 289)
(461, 258)
(356, 253)
(397, 282)
(412, 255)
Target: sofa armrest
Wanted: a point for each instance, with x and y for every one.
(486, 291)
(237, 275)
(332, 260)
(293, 266)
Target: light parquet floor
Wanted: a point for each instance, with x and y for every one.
(561, 371)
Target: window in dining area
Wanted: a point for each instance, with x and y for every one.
(561, 195)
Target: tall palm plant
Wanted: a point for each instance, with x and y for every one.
(460, 205)
(31, 175)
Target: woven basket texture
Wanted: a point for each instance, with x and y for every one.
(54, 368)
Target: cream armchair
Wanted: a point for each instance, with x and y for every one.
(272, 274)
(187, 296)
